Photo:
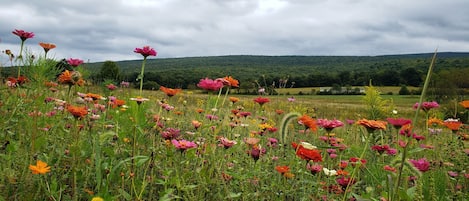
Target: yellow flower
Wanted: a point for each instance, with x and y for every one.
(97, 199)
(40, 168)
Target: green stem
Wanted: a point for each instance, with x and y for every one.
(404, 154)
(141, 74)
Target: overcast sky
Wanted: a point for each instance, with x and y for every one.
(99, 30)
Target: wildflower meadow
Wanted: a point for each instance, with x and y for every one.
(64, 138)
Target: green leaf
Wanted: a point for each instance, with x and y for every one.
(125, 194)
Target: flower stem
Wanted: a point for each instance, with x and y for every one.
(141, 74)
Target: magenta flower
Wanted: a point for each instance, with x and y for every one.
(145, 51)
(261, 100)
(256, 152)
(183, 145)
(125, 84)
(399, 122)
(426, 106)
(452, 173)
(380, 148)
(74, 62)
(111, 87)
(23, 34)
(210, 85)
(345, 181)
(329, 124)
(421, 164)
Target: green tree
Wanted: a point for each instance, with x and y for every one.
(109, 71)
(404, 90)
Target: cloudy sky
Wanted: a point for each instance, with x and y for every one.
(99, 30)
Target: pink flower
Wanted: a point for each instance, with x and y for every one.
(111, 87)
(170, 133)
(74, 62)
(399, 122)
(145, 51)
(316, 168)
(452, 174)
(183, 145)
(272, 142)
(427, 105)
(210, 85)
(125, 84)
(261, 100)
(226, 143)
(421, 164)
(23, 34)
(329, 124)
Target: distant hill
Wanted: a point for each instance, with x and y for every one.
(249, 68)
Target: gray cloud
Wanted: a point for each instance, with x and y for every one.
(111, 29)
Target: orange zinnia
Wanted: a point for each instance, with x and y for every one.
(434, 122)
(47, 46)
(453, 125)
(93, 96)
(231, 81)
(372, 124)
(40, 168)
(65, 77)
(308, 122)
(170, 92)
(234, 99)
(282, 169)
(77, 111)
(465, 104)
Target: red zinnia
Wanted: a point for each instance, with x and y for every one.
(261, 100)
(145, 51)
(307, 154)
(282, 169)
(23, 34)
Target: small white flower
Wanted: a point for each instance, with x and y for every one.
(394, 111)
(329, 172)
(308, 145)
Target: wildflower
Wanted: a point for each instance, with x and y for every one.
(282, 169)
(272, 142)
(70, 78)
(211, 117)
(434, 122)
(125, 84)
(289, 175)
(389, 168)
(183, 145)
(279, 112)
(40, 168)
(261, 100)
(111, 87)
(308, 122)
(230, 81)
(421, 164)
(170, 133)
(465, 104)
(399, 122)
(357, 161)
(77, 111)
(245, 114)
(196, 124)
(146, 51)
(97, 199)
(199, 110)
(345, 181)
(226, 143)
(329, 125)
(329, 172)
(210, 85)
(291, 99)
(314, 169)
(452, 124)
(170, 92)
(23, 34)
(114, 102)
(372, 125)
(307, 153)
(226, 177)
(234, 99)
(380, 148)
(139, 100)
(452, 173)
(74, 62)
(350, 121)
(256, 152)
(93, 96)
(426, 106)
(14, 82)
(47, 46)
(251, 140)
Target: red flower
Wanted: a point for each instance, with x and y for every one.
(307, 154)
(23, 34)
(261, 100)
(74, 62)
(282, 169)
(399, 122)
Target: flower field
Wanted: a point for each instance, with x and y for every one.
(63, 138)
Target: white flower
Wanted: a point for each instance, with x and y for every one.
(329, 172)
(308, 145)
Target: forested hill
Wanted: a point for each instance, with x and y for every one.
(302, 70)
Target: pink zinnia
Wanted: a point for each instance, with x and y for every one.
(145, 51)
(183, 145)
(23, 34)
(74, 62)
(315, 168)
(210, 85)
(329, 124)
(261, 100)
(226, 143)
(427, 105)
(399, 122)
(421, 164)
